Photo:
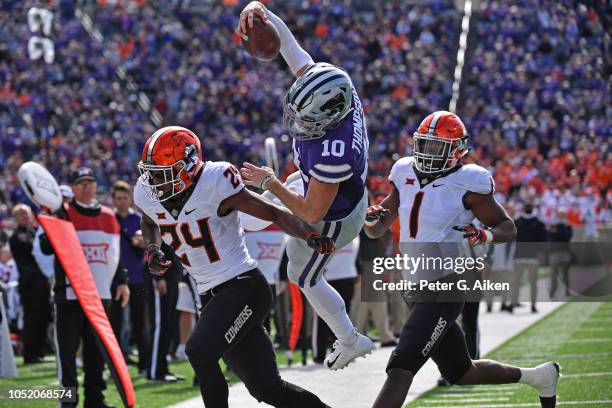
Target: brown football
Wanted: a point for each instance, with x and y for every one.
(261, 40)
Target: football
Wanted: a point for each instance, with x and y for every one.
(39, 185)
(261, 40)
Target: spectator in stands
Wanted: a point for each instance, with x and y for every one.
(34, 290)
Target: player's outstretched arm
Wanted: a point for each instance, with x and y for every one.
(259, 207)
(490, 213)
(311, 208)
(380, 217)
(295, 56)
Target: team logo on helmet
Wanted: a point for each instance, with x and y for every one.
(317, 101)
(170, 160)
(439, 143)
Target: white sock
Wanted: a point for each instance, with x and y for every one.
(328, 304)
(541, 378)
(529, 376)
(291, 51)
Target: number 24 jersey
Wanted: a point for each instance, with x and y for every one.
(212, 248)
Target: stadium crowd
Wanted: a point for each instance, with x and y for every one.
(536, 105)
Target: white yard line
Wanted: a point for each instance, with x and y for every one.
(578, 375)
(529, 404)
(463, 401)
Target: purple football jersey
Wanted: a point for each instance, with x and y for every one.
(341, 156)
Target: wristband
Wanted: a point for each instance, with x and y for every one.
(370, 223)
(264, 181)
(488, 235)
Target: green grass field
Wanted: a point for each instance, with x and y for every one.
(148, 395)
(577, 335)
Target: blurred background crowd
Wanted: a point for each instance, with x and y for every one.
(534, 95)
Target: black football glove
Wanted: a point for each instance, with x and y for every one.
(323, 245)
(156, 260)
(375, 213)
(475, 235)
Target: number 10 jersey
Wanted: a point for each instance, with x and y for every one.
(211, 247)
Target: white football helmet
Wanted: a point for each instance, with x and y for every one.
(317, 101)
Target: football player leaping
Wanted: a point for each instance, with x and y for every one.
(323, 114)
(193, 205)
(436, 198)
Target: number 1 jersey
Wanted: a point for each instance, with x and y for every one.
(211, 247)
(428, 212)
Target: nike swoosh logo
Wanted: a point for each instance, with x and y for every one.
(189, 212)
(242, 277)
(437, 185)
(331, 363)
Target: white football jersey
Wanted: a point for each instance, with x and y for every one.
(212, 248)
(267, 246)
(428, 213)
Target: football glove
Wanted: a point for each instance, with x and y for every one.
(375, 213)
(475, 235)
(156, 260)
(323, 245)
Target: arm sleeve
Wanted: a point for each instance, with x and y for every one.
(121, 277)
(45, 245)
(295, 56)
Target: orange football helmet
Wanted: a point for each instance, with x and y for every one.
(170, 160)
(440, 142)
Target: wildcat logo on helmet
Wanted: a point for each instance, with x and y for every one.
(317, 101)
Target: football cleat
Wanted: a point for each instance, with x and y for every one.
(343, 354)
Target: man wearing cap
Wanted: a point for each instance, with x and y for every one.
(99, 234)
